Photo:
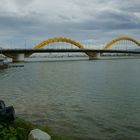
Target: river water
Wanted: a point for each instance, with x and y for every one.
(88, 100)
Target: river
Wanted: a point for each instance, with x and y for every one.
(88, 100)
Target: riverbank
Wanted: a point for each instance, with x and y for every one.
(20, 129)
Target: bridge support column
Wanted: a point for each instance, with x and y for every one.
(19, 58)
(93, 56)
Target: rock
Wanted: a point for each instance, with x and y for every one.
(37, 134)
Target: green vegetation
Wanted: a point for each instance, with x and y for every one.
(19, 130)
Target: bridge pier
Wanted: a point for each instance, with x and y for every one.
(19, 57)
(93, 56)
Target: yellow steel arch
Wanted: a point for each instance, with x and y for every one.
(62, 39)
(59, 39)
(108, 45)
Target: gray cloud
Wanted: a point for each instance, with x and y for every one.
(78, 19)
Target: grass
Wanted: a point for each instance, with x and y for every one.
(20, 129)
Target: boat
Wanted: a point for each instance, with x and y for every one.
(3, 64)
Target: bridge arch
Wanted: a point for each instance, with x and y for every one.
(109, 44)
(59, 39)
(64, 39)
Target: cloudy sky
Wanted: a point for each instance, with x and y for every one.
(97, 20)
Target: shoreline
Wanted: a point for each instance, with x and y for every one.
(20, 129)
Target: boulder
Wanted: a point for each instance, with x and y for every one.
(37, 134)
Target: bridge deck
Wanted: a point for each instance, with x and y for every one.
(66, 51)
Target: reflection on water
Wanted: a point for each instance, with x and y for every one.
(85, 99)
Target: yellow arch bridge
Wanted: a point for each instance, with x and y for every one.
(91, 54)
